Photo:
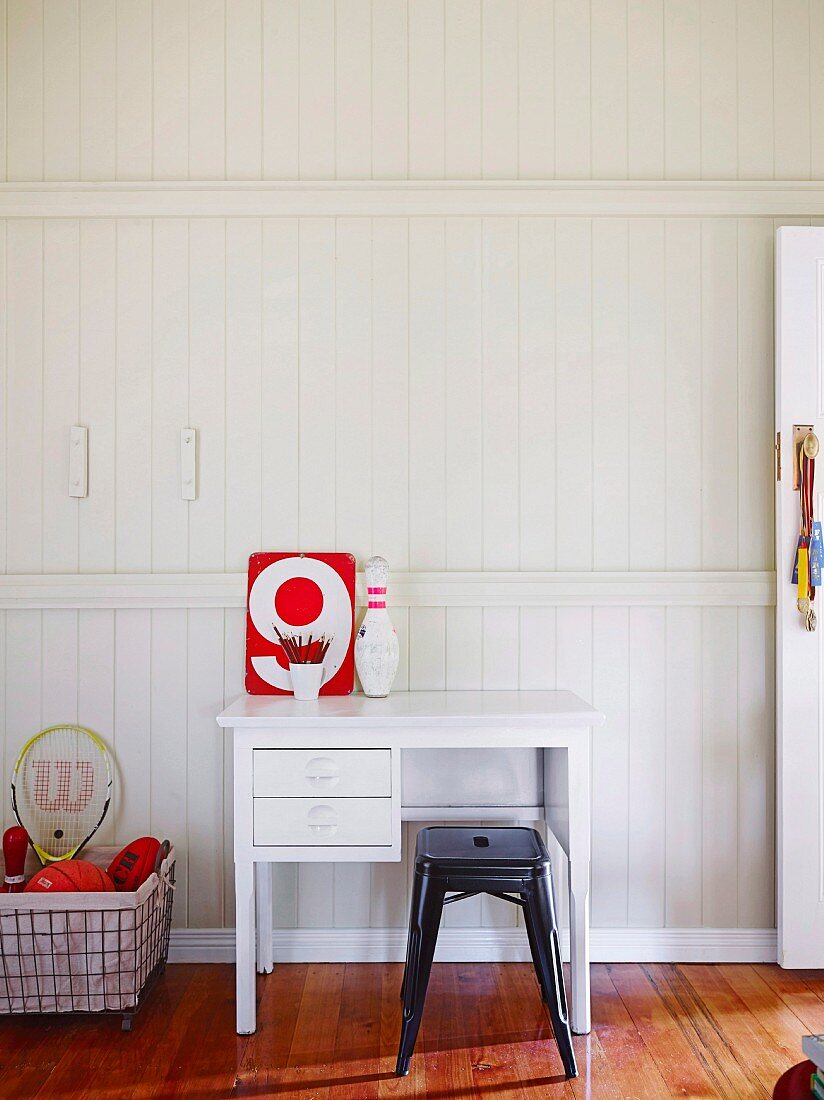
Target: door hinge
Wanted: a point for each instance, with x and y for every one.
(778, 456)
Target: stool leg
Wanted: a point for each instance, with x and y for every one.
(542, 913)
(533, 947)
(414, 905)
(424, 921)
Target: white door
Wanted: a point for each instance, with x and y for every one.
(800, 746)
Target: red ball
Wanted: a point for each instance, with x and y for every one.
(70, 875)
(130, 868)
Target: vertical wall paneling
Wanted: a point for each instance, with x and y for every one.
(353, 88)
(720, 813)
(645, 89)
(756, 839)
(24, 91)
(647, 395)
(425, 22)
(572, 72)
(24, 689)
(610, 441)
(683, 413)
(791, 84)
(462, 89)
(573, 394)
(647, 766)
(719, 132)
(353, 369)
(135, 92)
(24, 398)
(719, 393)
(98, 90)
(536, 392)
(610, 766)
(61, 383)
(204, 760)
(755, 384)
(133, 397)
(207, 89)
(317, 89)
(280, 385)
(464, 394)
(500, 394)
(132, 733)
(61, 683)
(207, 390)
(390, 391)
(170, 411)
(499, 75)
(317, 384)
(170, 127)
(427, 396)
(61, 90)
(168, 681)
(281, 88)
(682, 89)
(610, 139)
(243, 89)
(390, 90)
(244, 414)
(464, 648)
(755, 89)
(684, 758)
(95, 685)
(98, 354)
(536, 91)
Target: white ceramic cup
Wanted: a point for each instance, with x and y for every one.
(306, 680)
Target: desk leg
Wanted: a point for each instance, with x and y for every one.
(263, 898)
(580, 815)
(245, 946)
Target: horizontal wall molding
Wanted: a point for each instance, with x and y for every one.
(454, 589)
(415, 198)
(687, 945)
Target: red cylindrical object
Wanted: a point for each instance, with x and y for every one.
(15, 845)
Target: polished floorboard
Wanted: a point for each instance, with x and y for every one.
(329, 1032)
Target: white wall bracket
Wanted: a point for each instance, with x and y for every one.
(188, 463)
(78, 462)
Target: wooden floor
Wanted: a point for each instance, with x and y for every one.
(330, 1031)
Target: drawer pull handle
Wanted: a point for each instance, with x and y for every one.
(322, 821)
(322, 772)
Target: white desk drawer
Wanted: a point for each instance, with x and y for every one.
(344, 773)
(313, 822)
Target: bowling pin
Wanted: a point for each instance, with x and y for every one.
(376, 646)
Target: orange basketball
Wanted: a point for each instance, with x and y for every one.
(70, 875)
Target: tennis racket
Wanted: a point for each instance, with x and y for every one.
(60, 790)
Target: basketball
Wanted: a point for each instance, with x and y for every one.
(70, 875)
(132, 866)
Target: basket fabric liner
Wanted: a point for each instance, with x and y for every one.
(82, 952)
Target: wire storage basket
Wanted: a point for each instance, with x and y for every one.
(85, 952)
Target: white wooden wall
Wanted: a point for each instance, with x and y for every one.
(458, 393)
(462, 89)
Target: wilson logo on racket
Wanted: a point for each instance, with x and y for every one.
(72, 798)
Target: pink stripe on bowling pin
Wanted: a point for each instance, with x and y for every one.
(376, 592)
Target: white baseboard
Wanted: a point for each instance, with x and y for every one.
(686, 945)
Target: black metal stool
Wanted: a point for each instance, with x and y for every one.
(499, 861)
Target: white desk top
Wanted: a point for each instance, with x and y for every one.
(514, 709)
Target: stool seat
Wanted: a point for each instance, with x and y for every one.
(453, 850)
(511, 863)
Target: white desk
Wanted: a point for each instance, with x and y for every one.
(320, 782)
